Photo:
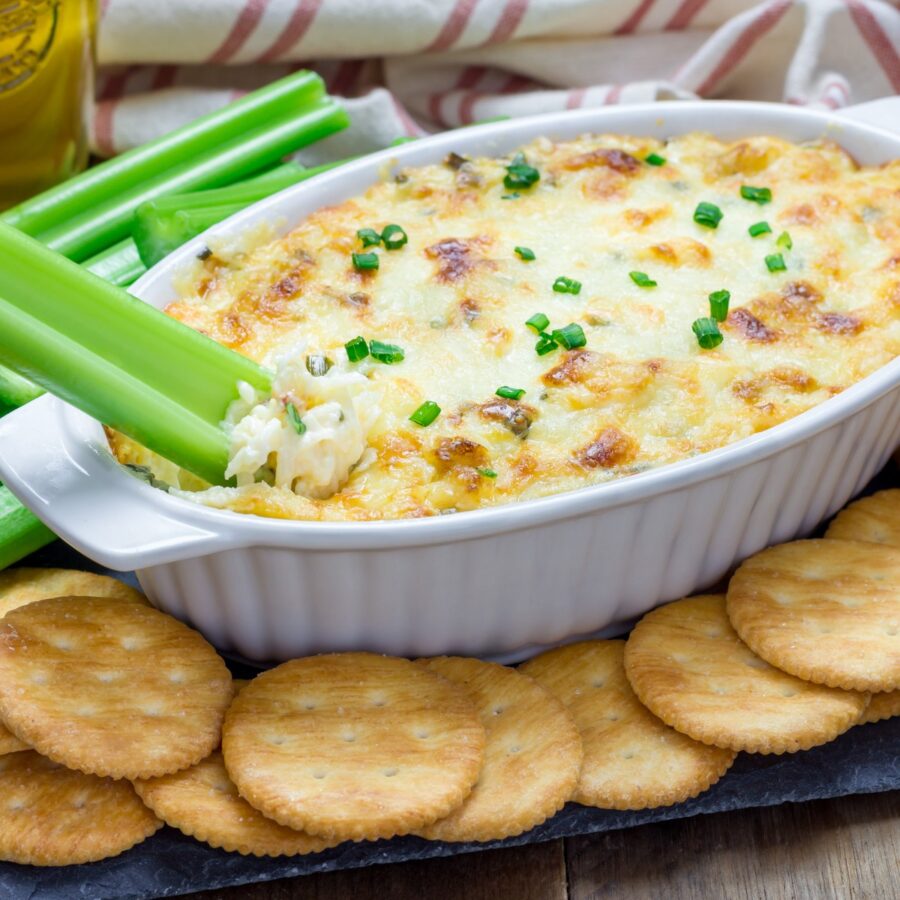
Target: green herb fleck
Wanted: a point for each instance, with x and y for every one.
(775, 263)
(784, 241)
(394, 237)
(364, 262)
(756, 194)
(708, 215)
(386, 353)
(294, 418)
(759, 228)
(426, 413)
(718, 305)
(641, 279)
(510, 393)
(708, 334)
(487, 473)
(564, 285)
(545, 345)
(369, 237)
(357, 349)
(538, 323)
(519, 175)
(654, 159)
(525, 253)
(570, 336)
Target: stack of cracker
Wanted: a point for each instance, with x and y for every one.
(118, 718)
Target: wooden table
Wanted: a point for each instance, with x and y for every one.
(845, 849)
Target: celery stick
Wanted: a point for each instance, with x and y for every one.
(162, 225)
(120, 265)
(117, 358)
(129, 171)
(15, 391)
(97, 227)
(21, 532)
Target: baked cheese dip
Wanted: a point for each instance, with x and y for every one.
(496, 329)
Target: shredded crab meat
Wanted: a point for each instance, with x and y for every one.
(338, 410)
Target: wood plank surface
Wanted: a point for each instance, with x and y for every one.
(844, 849)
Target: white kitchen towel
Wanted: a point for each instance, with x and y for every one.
(408, 67)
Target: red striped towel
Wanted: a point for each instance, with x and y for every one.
(411, 66)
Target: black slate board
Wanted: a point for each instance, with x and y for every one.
(865, 760)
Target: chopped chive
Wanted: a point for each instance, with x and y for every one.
(487, 473)
(708, 334)
(357, 349)
(519, 174)
(545, 345)
(510, 393)
(641, 279)
(708, 215)
(564, 285)
(364, 262)
(654, 159)
(759, 228)
(394, 237)
(426, 413)
(386, 353)
(525, 253)
(294, 418)
(784, 241)
(756, 194)
(538, 323)
(570, 336)
(369, 237)
(318, 364)
(775, 262)
(718, 305)
(513, 196)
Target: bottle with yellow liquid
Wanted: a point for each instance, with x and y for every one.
(46, 85)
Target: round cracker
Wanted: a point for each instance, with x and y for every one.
(632, 760)
(202, 802)
(110, 688)
(875, 519)
(52, 816)
(19, 587)
(826, 611)
(353, 746)
(531, 758)
(9, 743)
(687, 665)
(885, 705)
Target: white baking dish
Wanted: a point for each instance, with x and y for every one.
(498, 581)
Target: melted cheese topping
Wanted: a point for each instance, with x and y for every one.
(641, 393)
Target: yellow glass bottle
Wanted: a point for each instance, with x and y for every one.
(46, 86)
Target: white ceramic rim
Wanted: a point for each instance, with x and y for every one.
(238, 529)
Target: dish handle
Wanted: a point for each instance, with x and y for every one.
(79, 482)
(882, 113)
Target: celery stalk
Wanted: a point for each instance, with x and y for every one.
(21, 532)
(118, 359)
(120, 265)
(162, 225)
(122, 174)
(15, 391)
(96, 227)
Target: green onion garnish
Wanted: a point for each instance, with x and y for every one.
(513, 196)
(570, 336)
(718, 305)
(654, 159)
(318, 364)
(525, 253)
(784, 241)
(775, 262)
(294, 418)
(642, 279)
(545, 345)
(487, 473)
(364, 262)
(708, 334)
(369, 237)
(538, 323)
(759, 228)
(519, 174)
(564, 285)
(510, 393)
(394, 237)
(756, 194)
(708, 215)
(426, 413)
(386, 353)
(357, 349)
